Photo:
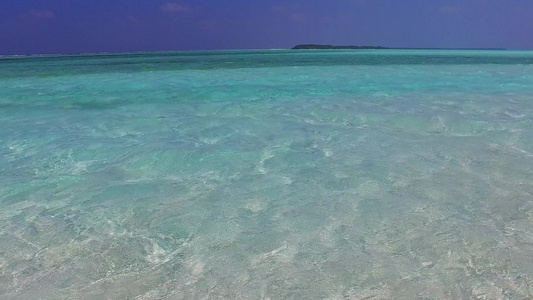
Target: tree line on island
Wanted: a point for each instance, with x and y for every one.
(315, 46)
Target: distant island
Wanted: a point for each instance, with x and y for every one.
(313, 46)
(331, 47)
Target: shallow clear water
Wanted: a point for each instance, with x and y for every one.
(267, 174)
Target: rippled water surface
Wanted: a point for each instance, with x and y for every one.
(267, 175)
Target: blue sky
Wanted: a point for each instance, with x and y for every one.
(76, 26)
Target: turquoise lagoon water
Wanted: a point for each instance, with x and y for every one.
(267, 175)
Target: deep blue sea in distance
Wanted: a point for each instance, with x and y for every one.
(279, 174)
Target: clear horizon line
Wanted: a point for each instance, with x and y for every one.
(248, 49)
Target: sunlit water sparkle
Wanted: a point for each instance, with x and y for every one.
(267, 175)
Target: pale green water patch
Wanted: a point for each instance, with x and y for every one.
(373, 174)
